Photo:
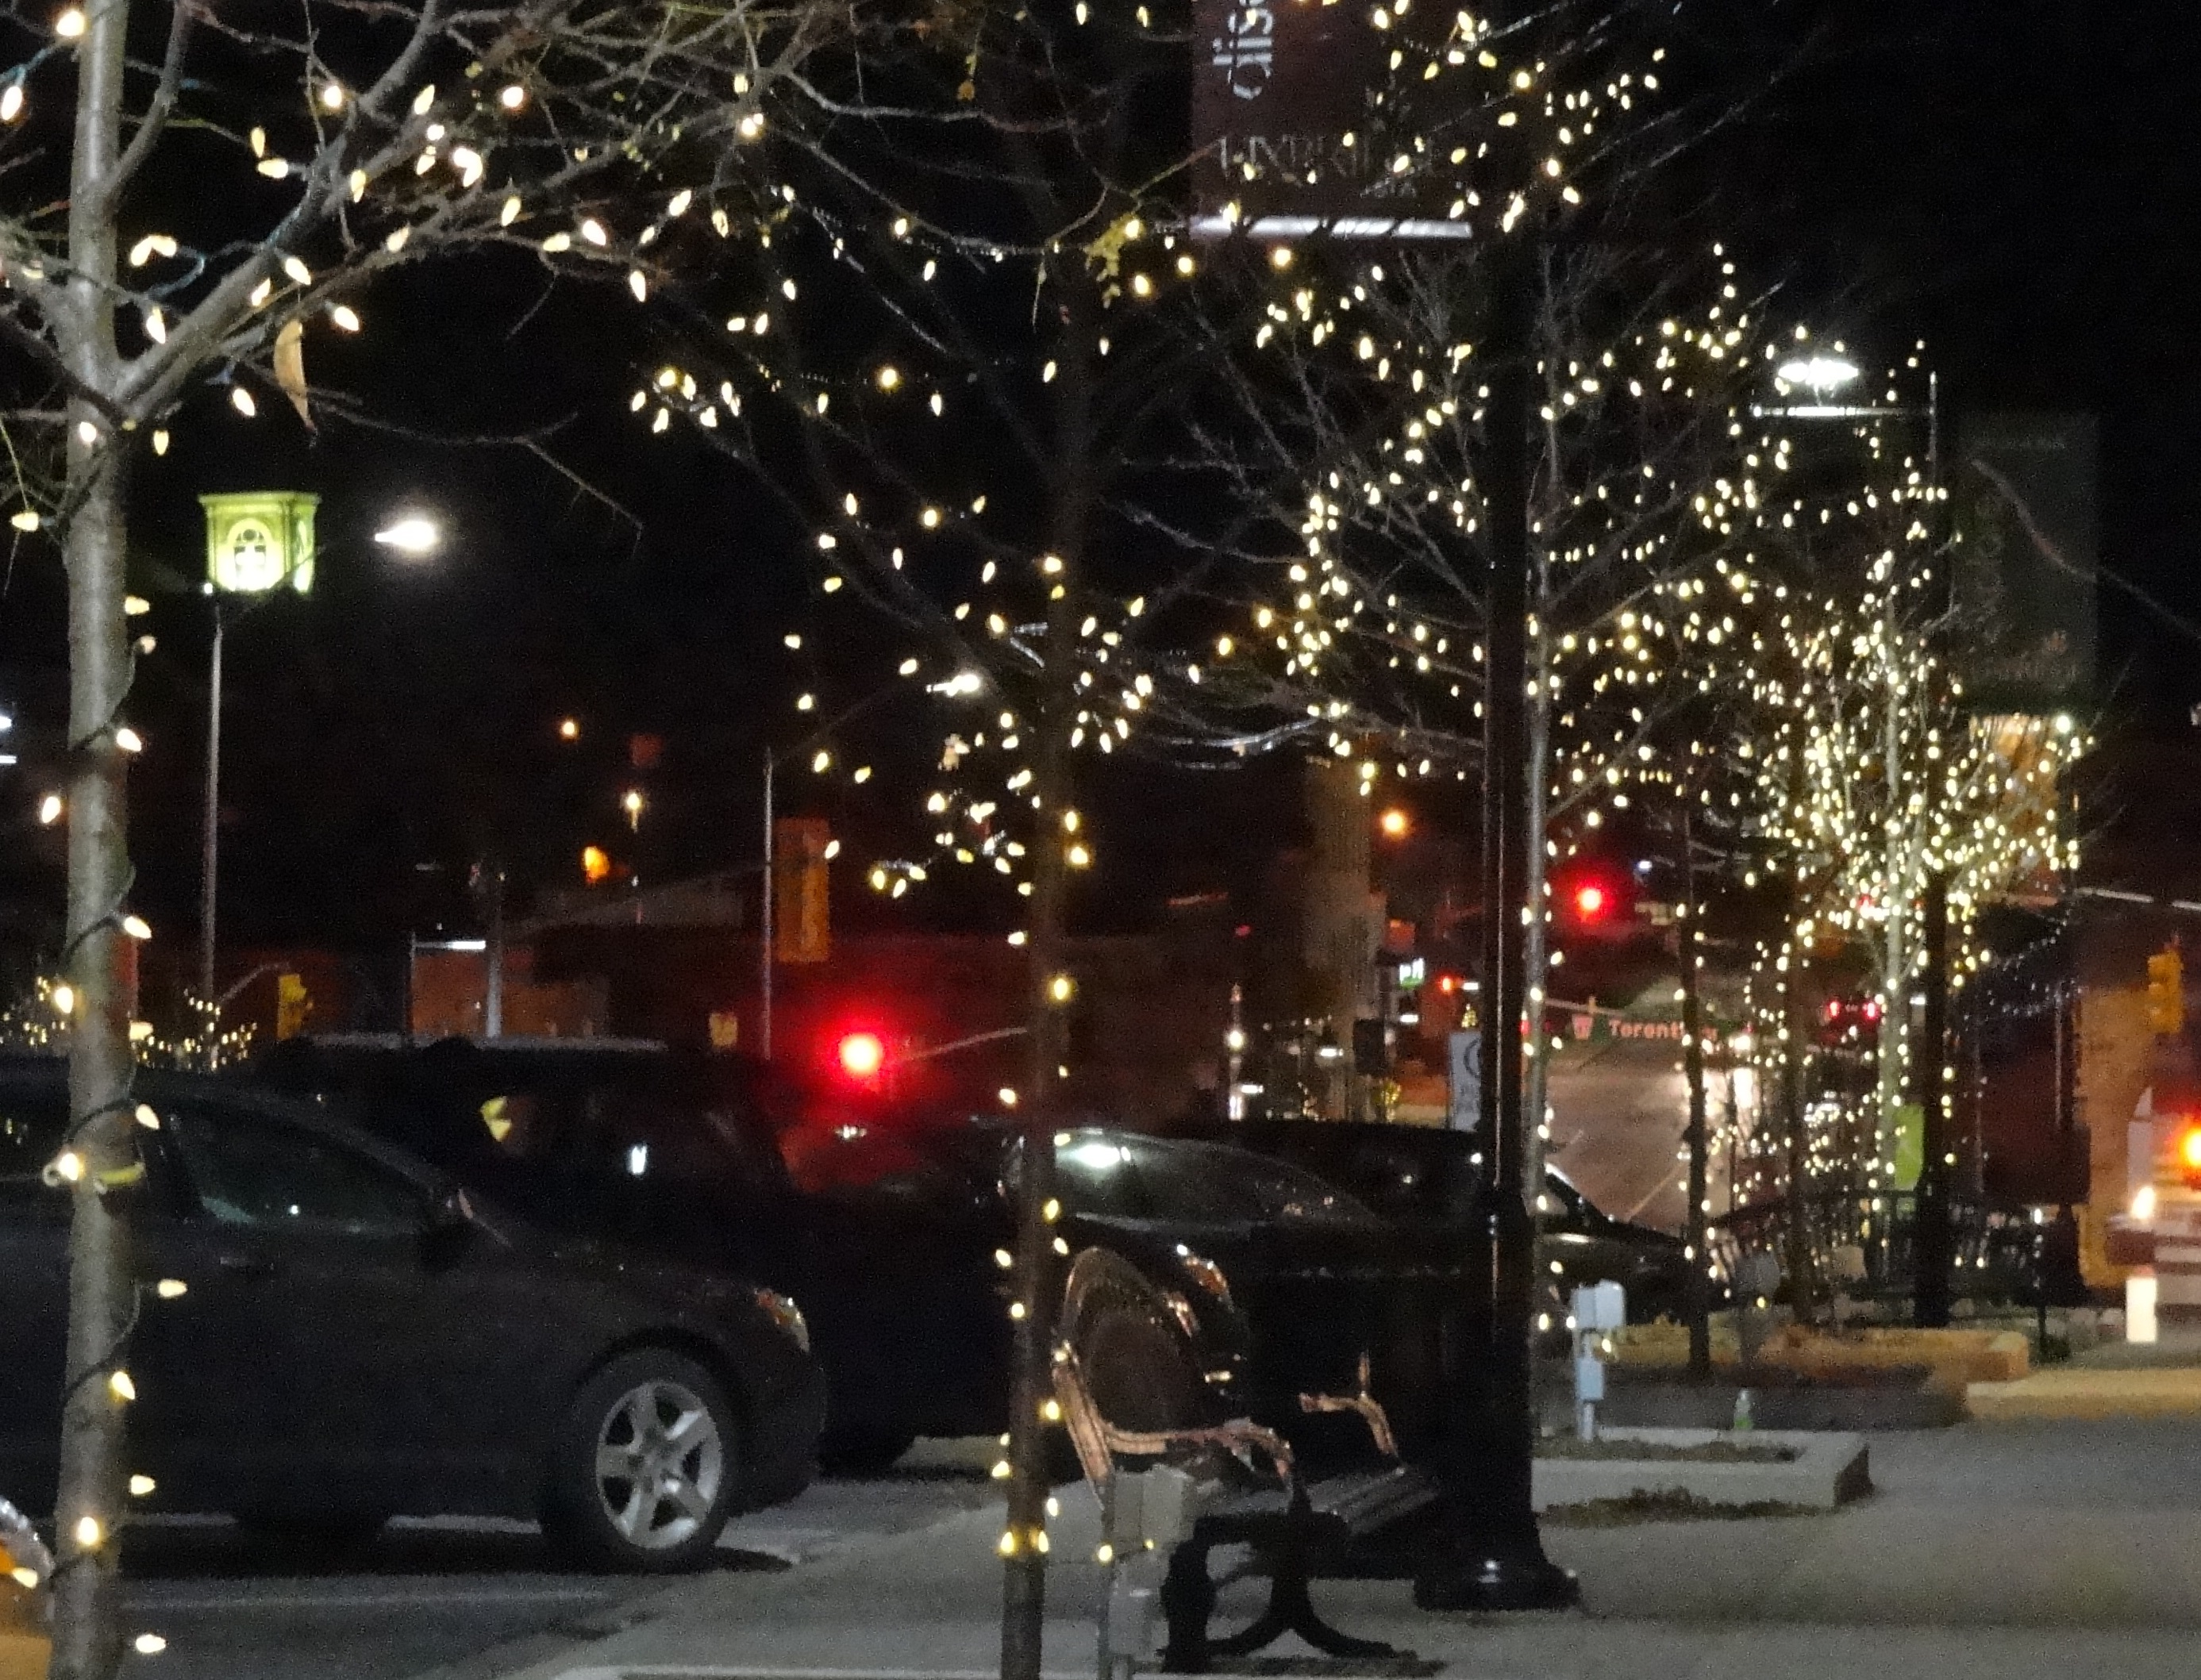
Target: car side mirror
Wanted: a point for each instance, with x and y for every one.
(450, 1217)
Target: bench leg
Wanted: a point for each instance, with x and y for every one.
(1187, 1602)
(1291, 1610)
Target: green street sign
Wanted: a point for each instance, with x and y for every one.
(257, 540)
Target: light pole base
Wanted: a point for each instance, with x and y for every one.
(1515, 1576)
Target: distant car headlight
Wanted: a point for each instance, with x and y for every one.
(787, 1315)
(1205, 1273)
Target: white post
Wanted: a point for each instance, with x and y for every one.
(2140, 1305)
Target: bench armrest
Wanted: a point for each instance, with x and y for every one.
(1370, 1408)
(1099, 1443)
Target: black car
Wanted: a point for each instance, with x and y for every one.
(1313, 1273)
(357, 1336)
(893, 1233)
(1404, 1172)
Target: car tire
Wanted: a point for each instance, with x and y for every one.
(863, 1450)
(644, 1467)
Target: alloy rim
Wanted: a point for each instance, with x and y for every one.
(660, 1461)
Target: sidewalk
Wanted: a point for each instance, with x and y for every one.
(2118, 1379)
(2009, 1550)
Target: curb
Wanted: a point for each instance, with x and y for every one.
(2142, 1392)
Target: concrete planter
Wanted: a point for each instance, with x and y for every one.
(1829, 1469)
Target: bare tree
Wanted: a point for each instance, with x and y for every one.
(187, 195)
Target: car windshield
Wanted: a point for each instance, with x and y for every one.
(1205, 1182)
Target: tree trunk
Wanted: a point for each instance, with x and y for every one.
(1795, 1025)
(1536, 961)
(1024, 1540)
(1695, 1305)
(87, 1631)
(1897, 876)
(87, 1637)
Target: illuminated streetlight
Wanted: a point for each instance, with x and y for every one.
(569, 729)
(1394, 823)
(414, 535)
(631, 803)
(1823, 374)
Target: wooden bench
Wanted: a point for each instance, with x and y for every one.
(1290, 1524)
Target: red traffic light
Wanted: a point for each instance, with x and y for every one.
(2189, 1155)
(862, 1055)
(1589, 901)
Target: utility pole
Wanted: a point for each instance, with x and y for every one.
(209, 848)
(764, 923)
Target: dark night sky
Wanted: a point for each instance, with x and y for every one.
(2013, 181)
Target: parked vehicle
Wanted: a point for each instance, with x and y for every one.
(1316, 1275)
(359, 1336)
(1406, 1172)
(892, 1228)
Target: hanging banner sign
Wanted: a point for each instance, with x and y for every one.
(2024, 570)
(1308, 116)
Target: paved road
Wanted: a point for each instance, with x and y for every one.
(1619, 1113)
(444, 1594)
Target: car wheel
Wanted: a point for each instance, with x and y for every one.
(861, 1450)
(645, 1464)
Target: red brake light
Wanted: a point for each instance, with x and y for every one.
(862, 1055)
(1589, 902)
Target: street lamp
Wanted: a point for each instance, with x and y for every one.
(414, 536)
(1823, 374)
(257, 542)
(964, 683)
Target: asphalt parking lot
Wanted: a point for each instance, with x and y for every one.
(467, 1599)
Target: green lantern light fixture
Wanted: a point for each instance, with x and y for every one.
(260, 539)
